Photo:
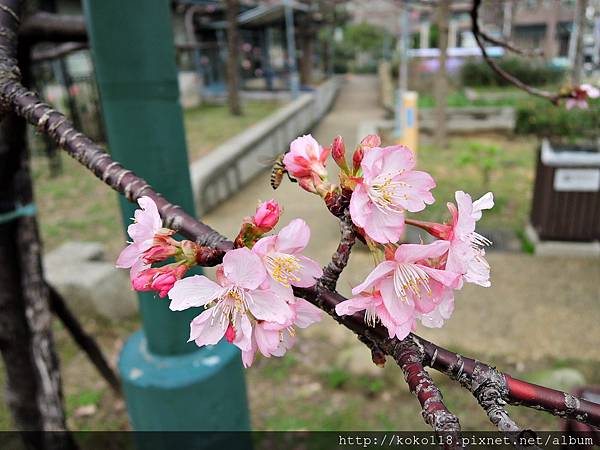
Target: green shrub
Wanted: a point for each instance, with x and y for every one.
(479, 73)
(539, 117)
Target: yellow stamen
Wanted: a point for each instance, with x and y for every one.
(283, 268)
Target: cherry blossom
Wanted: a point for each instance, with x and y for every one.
(147, 224)
(234, 303)
(273, 339)
(580, 95)
(375, 311)
(388, 187)
(282, 258)
(411, 286)
(306, 158)
(466, 254)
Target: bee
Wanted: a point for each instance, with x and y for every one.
(278, 171)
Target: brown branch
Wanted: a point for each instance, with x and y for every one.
(339, 259)
(58, 51)
(85, 342)
(552, 97)
(44, 26)
(409, 358)
(509, 46)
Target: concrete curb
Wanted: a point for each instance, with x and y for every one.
(225, 170)
(562, 248)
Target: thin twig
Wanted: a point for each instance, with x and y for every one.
(509, 46)
(85, 342)
(552, 97)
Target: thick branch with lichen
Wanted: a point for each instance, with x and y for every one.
(408, 353)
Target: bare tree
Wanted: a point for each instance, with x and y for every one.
(441, 80)
(577, 50)
(232, 8)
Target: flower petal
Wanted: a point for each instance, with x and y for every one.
(360, 207)
(413, 195)
(445, 277)
(384, 227)
(293, 238)
(129, 255)
(206, 330)
(410, 253)
(309, 273)
(401, 311)
(264, 245)
(243, 332)
(244, 268)
(267, 341)
(485, 202)
(353, 305)
(306, 313)
(376, 274)
(267, 305)
(192, 292)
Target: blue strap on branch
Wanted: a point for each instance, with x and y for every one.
(20, 211)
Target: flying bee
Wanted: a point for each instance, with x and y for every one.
(278, 171)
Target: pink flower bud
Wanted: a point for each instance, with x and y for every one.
(143, 280)
(267, 215)
(159, 253)
(163, 283)
(357, 159)
(370, 141)
(308, 185)
(338, 152)
(159, 279)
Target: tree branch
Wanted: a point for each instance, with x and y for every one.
(83, 340)
(44, 26)
(509, 46)
(477, 33)
(339, 259)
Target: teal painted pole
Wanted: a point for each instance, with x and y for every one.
(168, 383)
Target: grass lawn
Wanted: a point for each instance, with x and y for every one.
(330, 398)
(511, 181)
(210, 125)
(77, 206)
(487, 96)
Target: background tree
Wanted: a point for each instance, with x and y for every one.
(441, 81)
(232, 8)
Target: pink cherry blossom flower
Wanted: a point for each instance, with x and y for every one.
(147, 224)
(236, 299)
(273, 339)
(267, 215)
(466, 254)
(375, 311)
(409, 286)
(305, 158)
(281, 255)
(388, 187)
(580, 95)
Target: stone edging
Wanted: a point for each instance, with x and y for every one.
(226, 169)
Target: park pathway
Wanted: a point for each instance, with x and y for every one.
(537, 307)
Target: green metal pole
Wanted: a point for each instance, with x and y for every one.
(169, 384)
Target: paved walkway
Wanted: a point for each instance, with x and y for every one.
(537, 307)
